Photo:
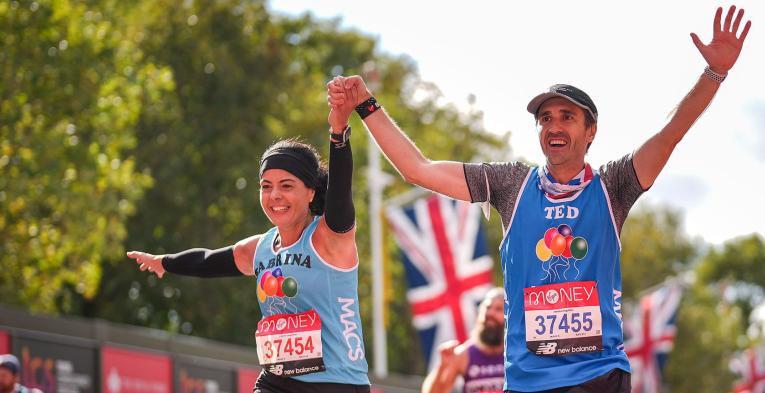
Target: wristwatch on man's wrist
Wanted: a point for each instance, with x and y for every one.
(713, 75)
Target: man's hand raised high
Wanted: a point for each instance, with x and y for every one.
(722, 52)
(343, 94)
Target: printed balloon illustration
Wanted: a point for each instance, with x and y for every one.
(279, 282)
(560, 251)
(289, 287)
(276, 291)
(567, 251)
(261, 295)
(558, 245)
(263, 279)
(543, 252)
(270, 286)
(549, 235)
(578, 247)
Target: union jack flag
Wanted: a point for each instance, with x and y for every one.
(751, 366)
(650, 334)
(447, 267)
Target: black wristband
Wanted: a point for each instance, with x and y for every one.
(201, 262)
(340, 139)
(367, 107)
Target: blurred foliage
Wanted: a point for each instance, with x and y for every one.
(73, 85)
(139, 125)
(722, 288)
(654, 246)
(708, 334)
(738, 266)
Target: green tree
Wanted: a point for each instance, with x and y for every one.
(707, 335)
(740, 267)
(73, 83)
(243, 79)
(654, 247)
(238, 89)
(709, 329)
(141, 124)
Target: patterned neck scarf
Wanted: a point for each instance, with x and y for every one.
(555, 190)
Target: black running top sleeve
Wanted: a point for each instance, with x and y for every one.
(339, 212)
(201, 262)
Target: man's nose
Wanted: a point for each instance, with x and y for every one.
(555, 125)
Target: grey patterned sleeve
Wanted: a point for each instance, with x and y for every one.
(623, 187)
(499, 182)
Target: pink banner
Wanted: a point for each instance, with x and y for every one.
(128, 371)
(5, 342)
(246, 378)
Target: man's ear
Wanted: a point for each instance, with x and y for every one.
(591, 132)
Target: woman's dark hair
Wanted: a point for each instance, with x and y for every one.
(310, 156)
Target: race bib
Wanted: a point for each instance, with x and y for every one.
(290, 344)
(563, 319)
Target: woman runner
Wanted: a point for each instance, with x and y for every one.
(305, 269)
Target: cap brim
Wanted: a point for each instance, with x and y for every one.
(536, 102)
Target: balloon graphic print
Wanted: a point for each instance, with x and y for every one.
(263, 278)
(274, 284)
(558, 245)
(559, 250)
(270, 286)
(279, 281)
(549, 235)
(543, 252)
(290, 287)
(261, 295)
(578, 247)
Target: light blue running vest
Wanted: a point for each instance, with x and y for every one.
(331, 291)
(588, 215)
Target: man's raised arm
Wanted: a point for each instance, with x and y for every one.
(443, 177)
(720, 55)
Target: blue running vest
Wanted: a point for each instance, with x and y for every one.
(562, 278)
(309, 283)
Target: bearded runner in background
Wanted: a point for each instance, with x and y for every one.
(478, 360)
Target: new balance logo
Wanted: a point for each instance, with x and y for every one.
(546, 348)
(276, 369)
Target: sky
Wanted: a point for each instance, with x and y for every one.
(636, 60)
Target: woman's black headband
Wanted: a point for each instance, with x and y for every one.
(292, 162)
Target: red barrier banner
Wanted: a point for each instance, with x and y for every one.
(130, 371)
(5, 342)
(245, 379)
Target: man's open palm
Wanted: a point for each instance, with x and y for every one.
(722, 52)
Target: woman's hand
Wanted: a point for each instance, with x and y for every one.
(152, 263)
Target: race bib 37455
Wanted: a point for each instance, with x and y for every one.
(563, 319)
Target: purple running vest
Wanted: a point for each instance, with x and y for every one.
(484, 373)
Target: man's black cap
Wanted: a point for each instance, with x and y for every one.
(571, 93)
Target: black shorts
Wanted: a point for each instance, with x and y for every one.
(269, 383)
(615, 381)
